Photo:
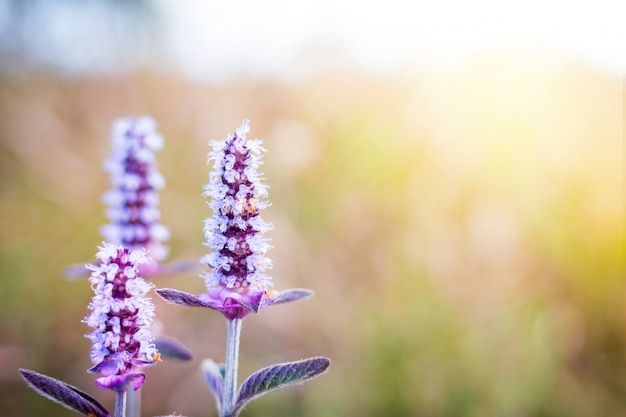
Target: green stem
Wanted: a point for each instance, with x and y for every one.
(120, 404)
(232, 358)
(133, 403)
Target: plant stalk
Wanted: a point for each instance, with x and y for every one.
(120, 403)
(232, 362)
(133, 403)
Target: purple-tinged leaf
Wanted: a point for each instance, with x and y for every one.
(288, 296)
(65, 394)
(231, 307)
(252, 301)
(212, 374)
(170, 348)
(232, 303)
(121, 383)
(183, 298)
(278, 376)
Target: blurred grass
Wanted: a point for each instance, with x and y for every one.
(463, 231)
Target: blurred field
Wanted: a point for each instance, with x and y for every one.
(463, 231)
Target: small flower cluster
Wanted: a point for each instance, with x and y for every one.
(121, 316)
(133, 200)
(234, 233)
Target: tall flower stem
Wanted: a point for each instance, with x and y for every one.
(120, 403)
(232, 362)
(134, 403)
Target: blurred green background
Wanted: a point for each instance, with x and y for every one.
(461, 225)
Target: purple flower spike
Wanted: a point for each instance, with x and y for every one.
(236, 283)
(121, 316)
(133, 200)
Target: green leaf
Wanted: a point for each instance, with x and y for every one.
(278, 376)
(65, 394)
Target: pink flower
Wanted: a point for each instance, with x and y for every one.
(236, 278)
(121, 316)
(133, 199)
(236, 281)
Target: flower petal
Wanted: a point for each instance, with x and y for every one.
(107, 367)
(250, 300)
(121, 383)
(234, 304)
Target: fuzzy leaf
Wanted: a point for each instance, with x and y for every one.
(278, 376)
(170, 348)
(182, 298)
(65, 394)
(289, 296)
(212, 374)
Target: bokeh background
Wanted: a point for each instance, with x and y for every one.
(448, 178)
